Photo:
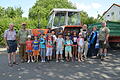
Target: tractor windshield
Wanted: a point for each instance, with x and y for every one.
(62, 18)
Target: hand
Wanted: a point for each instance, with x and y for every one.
(7, 47)
(105, 42)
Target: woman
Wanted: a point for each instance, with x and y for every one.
(93, 43)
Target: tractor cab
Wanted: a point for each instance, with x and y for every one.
(67, 20)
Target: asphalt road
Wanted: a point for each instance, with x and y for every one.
(91, 69)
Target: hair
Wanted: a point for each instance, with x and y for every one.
(94, 27)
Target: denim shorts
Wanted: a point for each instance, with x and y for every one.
(29, 51)
(49, 52)
(59, 51)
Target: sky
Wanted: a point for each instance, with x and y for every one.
(92, 7)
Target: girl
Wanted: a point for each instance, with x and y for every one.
(49, 47)
(68, 48)
(74, 39)
(80, 42)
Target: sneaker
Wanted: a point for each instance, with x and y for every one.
(28, 61)
(15, 63)
(79, 60)
(10, 65)
(32, 60)
(62, 60)
(57, 61)
(42, 61)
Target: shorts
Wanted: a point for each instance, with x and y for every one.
(12, 44)
(49, 52)
(68, 52)
(28, 51)
(102, 45)
(80, 50)
(59, 51)
(35, 52)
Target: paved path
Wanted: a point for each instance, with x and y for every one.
(92, 69)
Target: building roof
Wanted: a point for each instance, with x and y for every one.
(110, 8)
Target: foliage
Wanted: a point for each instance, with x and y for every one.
(38, 13)
(42, 8)
(85, 19)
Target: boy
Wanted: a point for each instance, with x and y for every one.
(59, 47)
(49, 46)
(36, 49)
(80, 42)
(68, 48)
(29, 48)
(42, 47)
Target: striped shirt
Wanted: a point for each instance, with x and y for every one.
(10, 35)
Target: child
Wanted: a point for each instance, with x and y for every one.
(74, 39)
(80, 42)
(42, 48)
(36, 49)
(68, 48)
(59, 47)
(29, 48)
(49, 46)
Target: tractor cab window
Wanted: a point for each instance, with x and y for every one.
(73, 18)
(59, 19)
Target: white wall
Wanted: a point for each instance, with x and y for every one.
(115, 16)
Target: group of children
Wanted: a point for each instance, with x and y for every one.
(70, 48)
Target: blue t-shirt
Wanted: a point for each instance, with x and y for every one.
(68, 48)
(42, 43)
(35, 45)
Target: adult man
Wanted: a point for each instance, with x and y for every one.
(85, 36)
(103, 39)
(22, 37)
(11, 44)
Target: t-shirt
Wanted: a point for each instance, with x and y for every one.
(60, 42)
(22, 35)
(103, 32)
(28, 45)
(80, 41)
(68, 42)
(54, 37)
(36, 45)
(42, 43)
(74, 40)
(84, 34)
(49, 42)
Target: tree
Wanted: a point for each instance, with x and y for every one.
(42, 8)
(2, 11)
(13, 12)
(85, 19)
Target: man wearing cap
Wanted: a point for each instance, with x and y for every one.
(11, 44)
(22, 37)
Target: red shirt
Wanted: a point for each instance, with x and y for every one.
(28, 45)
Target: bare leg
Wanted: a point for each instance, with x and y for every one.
(9, 57)
(61, 57)
(56, 57)
(14, 57)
